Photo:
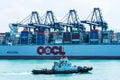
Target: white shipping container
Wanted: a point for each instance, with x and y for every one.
(46, 39)
(57, 35)
(58, 41)
(67, 42)
(16, 41)
(75, 39)
(106, 41)
(46, 32)
(93, 39)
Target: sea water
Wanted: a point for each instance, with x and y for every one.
(21, 70)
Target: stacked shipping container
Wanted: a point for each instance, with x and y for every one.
(8, 38)
(67, 38)
(25, 37)
(94, 37)
(107, 36)
(40, 37)
(75, 37)
(46, 33)
(55, 37)
(16, 39)
(51, 38)
(2, 37)
(118, 37)
(58, 37)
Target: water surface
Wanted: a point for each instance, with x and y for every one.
(21, 70)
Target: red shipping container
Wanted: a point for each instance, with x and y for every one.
(94, 31)
(40, 33)
(75, 36)
(66, 39)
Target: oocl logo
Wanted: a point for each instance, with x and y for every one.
(50, 50)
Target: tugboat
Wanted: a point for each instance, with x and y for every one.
(63, 67)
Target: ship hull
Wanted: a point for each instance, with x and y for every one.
(55, 51)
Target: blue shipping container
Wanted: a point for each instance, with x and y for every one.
(94, 35)
(67, 35)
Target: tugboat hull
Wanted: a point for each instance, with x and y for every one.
(83, 70)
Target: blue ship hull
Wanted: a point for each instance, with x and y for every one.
(55, 51)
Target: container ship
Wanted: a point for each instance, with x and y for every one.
(38, 37)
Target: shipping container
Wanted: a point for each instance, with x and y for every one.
(51, 38)
(66, 35)
(2, 37)
(76, 37)
(39, 37)
(58, 37)
(26, 37)
(94, 31)
(66, 41)
(58, 41)
(67, 38)
(16, 40)
(114, 39)
(46, 33)
(94, 41)
(7, 38)
(118, 37)
(94, 37)
(55, 37)
(107, 37)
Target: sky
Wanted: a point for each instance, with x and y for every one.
(12, 11)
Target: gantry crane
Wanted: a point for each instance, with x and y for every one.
(73, 21)
(96, 20)
(51, 20)
(33, 21)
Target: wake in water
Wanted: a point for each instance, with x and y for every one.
(15, 73)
